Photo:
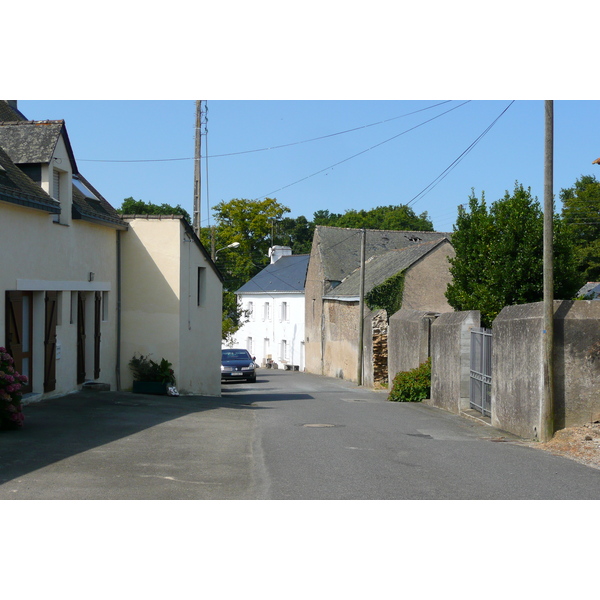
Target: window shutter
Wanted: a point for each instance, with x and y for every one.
(56, 185)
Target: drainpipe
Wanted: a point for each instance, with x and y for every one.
(118, 367)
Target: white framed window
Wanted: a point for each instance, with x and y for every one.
(267, 347)
(249, 346)
(250, 310)
(283, 350)
(284, 312)
(267, 312)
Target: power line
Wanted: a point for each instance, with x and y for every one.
(455, 163)
(269, 147)
(362, 152)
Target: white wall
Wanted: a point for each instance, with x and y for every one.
(273, 328)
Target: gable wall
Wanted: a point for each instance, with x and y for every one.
(426, 281)
(161, 316)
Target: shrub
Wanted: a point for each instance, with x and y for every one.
(145, 369)
(11, 413)
(413, 385)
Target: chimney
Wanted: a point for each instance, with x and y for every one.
(12, 104)
(276, 252)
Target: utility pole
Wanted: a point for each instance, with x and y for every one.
(361, 309)
(197, 155)
(546, 430)
(201, 122)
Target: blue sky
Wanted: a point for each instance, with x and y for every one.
(390, 157)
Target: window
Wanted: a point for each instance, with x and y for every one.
(284, 311)
(267, 313)
(250, 310)
(283, 349)
(201, 288)
(267, 347)
(249, 345)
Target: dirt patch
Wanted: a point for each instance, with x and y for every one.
(580, 443)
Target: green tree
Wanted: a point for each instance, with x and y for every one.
(296, 233)
(139, 207)
(324, 217)
(392, 217)
(499, 255)
(250, 223)
(581, 215)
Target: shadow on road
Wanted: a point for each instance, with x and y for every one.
(58, 428)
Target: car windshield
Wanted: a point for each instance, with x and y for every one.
(235, 355)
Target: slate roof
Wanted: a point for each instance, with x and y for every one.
(339, 248)
(17, 188)
(381, 267)
(33, 142)
(287, 275)
(10, 112)
(591, 290)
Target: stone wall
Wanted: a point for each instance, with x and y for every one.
(375, 351)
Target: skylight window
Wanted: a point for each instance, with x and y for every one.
(84, 189)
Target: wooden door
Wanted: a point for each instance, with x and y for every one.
(19, 326)
(80, 337)
(97, 336)
(50, 341)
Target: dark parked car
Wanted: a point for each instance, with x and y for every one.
(237, 364)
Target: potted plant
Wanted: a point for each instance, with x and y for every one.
(11, 413)
(150, 377)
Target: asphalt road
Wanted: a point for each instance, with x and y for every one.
(289, 436)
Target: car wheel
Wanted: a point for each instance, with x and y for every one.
(253, 380)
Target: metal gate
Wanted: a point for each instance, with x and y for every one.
(480, 385)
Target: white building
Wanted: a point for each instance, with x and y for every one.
(274, 305)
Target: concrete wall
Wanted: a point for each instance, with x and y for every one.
(450, 357)
(408, 340)
(517, 366)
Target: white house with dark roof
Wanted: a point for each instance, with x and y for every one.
(82, 289)
(273, 301)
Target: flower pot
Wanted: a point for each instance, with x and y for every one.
(150, 387)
